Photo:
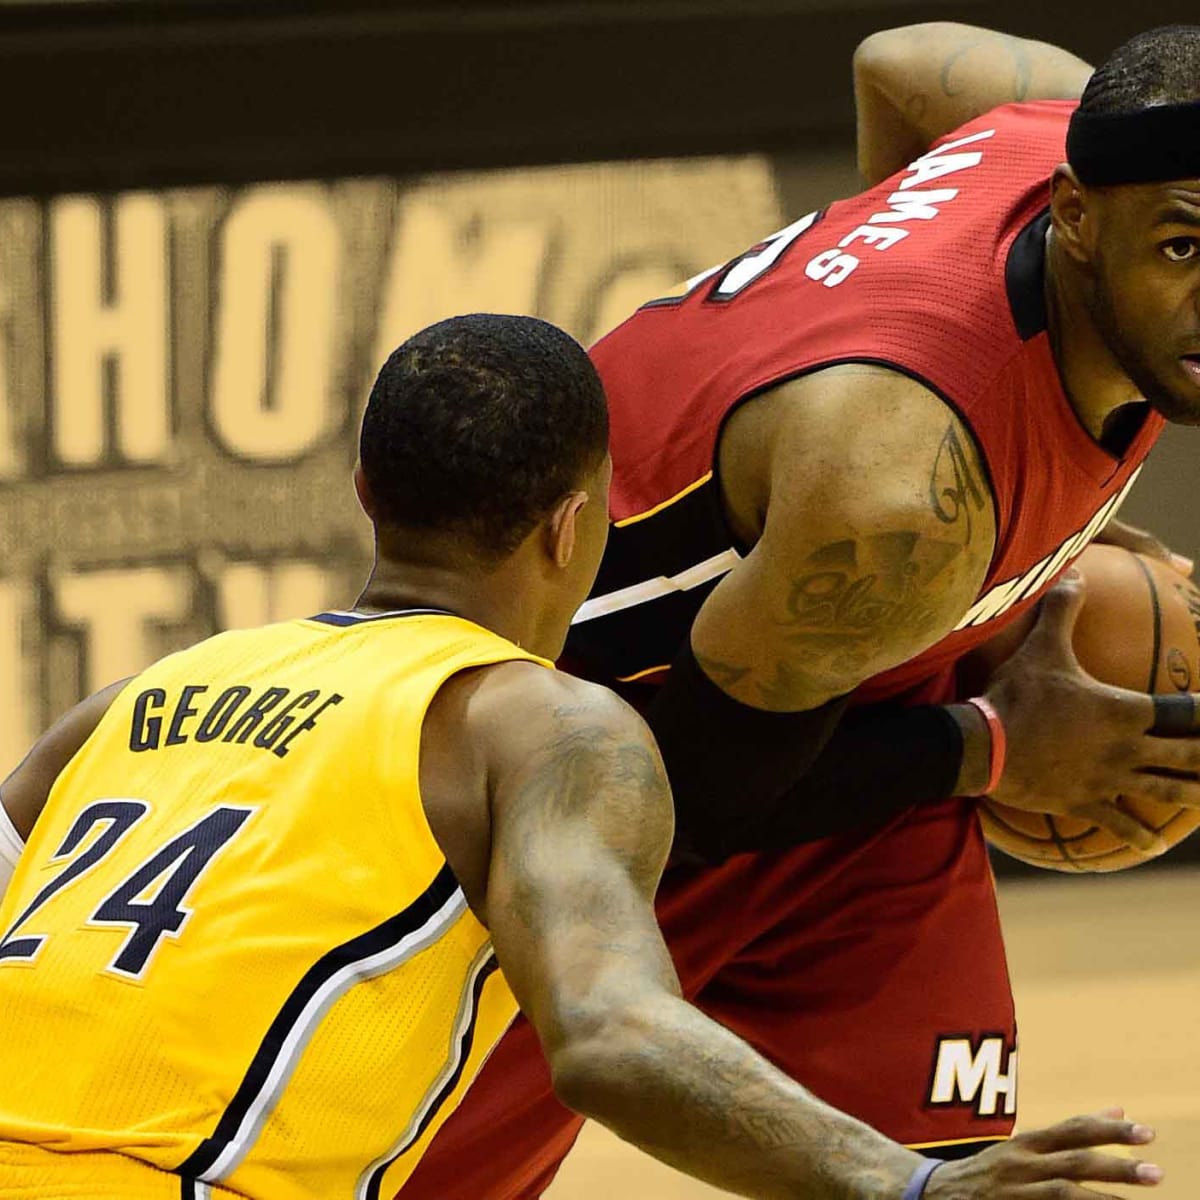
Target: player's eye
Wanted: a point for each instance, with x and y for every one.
(1180, 250)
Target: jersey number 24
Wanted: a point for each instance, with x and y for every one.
(150, 901)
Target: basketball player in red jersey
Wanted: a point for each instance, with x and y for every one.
(842, 461)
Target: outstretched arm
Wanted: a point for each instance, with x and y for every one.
(915, 84)
(581, 820)
(581, 824)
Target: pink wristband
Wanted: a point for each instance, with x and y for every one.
(999, 743)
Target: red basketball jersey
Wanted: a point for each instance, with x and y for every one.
(938, 273)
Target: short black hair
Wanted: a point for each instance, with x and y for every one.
(478, 425)
(1160, 66)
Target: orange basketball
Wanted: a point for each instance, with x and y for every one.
(1139, 629)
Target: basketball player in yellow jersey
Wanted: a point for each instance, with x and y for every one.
(251, 948)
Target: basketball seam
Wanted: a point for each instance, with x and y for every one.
(1156, 612)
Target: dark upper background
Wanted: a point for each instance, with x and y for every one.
(116, 93)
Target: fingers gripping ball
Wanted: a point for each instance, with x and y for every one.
(1139, 629)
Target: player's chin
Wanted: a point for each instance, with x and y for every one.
(1179, 400)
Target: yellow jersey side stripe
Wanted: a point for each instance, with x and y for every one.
(650, 512)
(367, 956)
(461, 1040)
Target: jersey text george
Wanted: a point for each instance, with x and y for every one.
(274, 718)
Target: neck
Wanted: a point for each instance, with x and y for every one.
(1094, 381)
(488, 598)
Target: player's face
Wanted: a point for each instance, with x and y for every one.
(1146, 296)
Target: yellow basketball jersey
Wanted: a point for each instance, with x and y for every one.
(233, 959)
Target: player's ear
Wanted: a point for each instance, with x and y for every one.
(562, 527)
(362, 490)
(1072, 210)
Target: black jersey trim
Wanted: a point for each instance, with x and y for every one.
(420, 924)
(459, 1056)
(958, 1148)
(1025, 278)
(346, 619)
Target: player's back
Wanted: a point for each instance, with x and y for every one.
(234, 959)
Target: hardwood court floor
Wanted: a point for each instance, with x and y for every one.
(1107, 977)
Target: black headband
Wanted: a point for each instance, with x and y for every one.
(1150, 145)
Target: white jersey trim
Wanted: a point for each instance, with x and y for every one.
(310, 1018)
(661, 585)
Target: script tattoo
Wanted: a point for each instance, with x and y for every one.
(954, 490)
(854, 596)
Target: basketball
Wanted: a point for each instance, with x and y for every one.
(1139, 629)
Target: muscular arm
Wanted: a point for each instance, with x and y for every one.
(878, 533)
(915, 84)
(581, 822)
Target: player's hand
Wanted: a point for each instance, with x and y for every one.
(1128, 537)
(1050, 1164)
(1076, 745)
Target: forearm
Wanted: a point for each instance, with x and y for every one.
(746, 780)
(881, 761)
(915, 84)
(687, 1091)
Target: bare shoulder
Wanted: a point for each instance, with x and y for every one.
(574, 778)
(974, 67)
(522, 712)
(514, 755)
(875, 443)
(26, 789)
(877, 529)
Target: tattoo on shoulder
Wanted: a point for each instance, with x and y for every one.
(850, 603)
(1017, 50)
(583, 756)
(858, 591)
(588, 772)
(955, 490)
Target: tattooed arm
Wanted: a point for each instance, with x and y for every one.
(580, 826)
(878, 531)
(548, 796)
(915, 84)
